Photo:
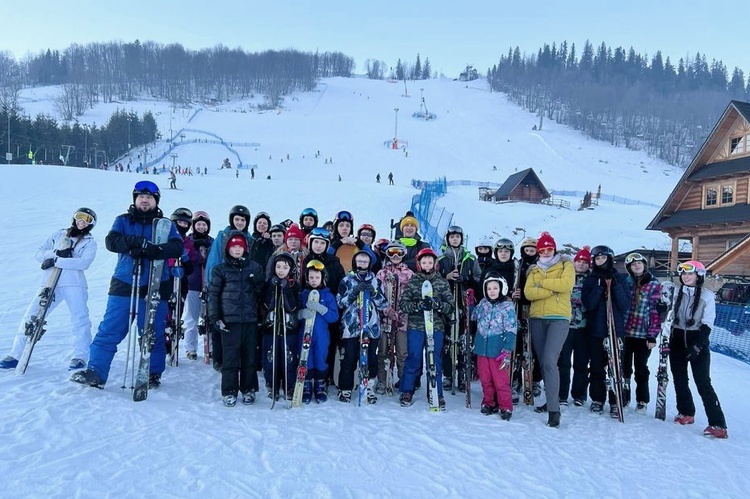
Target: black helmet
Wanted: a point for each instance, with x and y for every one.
(602, 250)
(241, 211)
(277, 228)
(454, 229)
(146, 187)
(202, 216)
(504, 243)
(87, 215)
(308, 212)
(182, 214)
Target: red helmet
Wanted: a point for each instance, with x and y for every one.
(423, 253)
(367, 227)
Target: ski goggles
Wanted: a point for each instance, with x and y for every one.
(508, 247)
(366, 233)
(320, 232)
(634, 257)
(344, 216)
(146, 187)
(686, 268)
(315, 264)
(84, 217)
(309, 212)
(395, 252)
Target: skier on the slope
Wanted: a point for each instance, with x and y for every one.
(71, 286)
(130, 237)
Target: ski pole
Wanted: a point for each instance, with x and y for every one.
(133, 317)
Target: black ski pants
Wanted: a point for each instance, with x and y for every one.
(575, 348)
(238, 363)
(635, 353)
(351, 360)
(598, 370)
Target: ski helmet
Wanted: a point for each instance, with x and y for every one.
(202, 216)
(635, 257)
(423, 253)
(361, 252)
(366, 227)
(454, 229)
(319, 266)
(87, 215)
(395, 248)
(183, 215)
(504, 243)
(692, 266)
(602, 250)
(241, 211)
(146, 187)
(528, 241)
(492, 276)
(319, 233)
(308, 212)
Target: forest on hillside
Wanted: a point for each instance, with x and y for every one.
(621, 96)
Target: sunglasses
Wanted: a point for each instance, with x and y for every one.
(146, 187)
(345, 216)
(686, 268)
(545, 251)
(83, 216)
(395, 252)
(365, 233)
(634, 257)
(315, 264)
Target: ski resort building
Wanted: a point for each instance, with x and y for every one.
(710, 205)
(522, 186)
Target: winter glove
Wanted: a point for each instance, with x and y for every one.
(360, 287)
(64, 253)
(185, 258)
(306, 313)
(703, 333)
(427, 304)
(201, 243)
(318, 307)
(219, 324)
(178, 272)
(650, 343)
(504, 359)
(48, 263)
(151, 250)
(436, 305)
(135, 242)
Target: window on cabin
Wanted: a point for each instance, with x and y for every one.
(738, 145)
(712, 196)
(727, 194)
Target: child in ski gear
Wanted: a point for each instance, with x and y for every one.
(361, 297)
(413, 304)
(694, 314)
(575, 344)
(502, 263)
(308, 220)
(73, 260)
(239, 219)
(343, 243)
(594, 296)
(326, 312)
(493, 345)
(366, 235)
(396, 275)
(642, 326)
(280, 325)
(196, 281)
(233, 293)
(548, 287)
(130, 238)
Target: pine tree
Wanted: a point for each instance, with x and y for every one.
(426, 69)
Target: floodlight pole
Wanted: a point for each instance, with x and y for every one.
(395, 133)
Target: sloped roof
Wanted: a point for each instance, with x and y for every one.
(514, 180)
(711, 170)
(742, 246)
(682, 218)
(699, 162)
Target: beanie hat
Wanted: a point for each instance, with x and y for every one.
(409, 220)
(528, 241)
(237, 240)
(294, 231)
(584, 255)
(545, 241)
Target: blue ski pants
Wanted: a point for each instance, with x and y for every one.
(415, 348)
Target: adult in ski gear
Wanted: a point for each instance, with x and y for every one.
(233, 292)
(197, 281)
(548, 287)
(412, 303)
(594, 298)
(326, 312)
(695, 311)
(343, 243)
(263, 247)
(493, 345)
(71, 287)
(308, 220)
(528, 256)
(575, 345)
(130, 238)
(642, 326)
(360, 296)
(411, 240)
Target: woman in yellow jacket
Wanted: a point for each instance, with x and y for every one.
(548, 286)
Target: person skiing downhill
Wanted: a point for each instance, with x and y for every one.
(71, 286)
(130, 238)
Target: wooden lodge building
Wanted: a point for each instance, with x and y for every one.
(522, 186)
(710, 205)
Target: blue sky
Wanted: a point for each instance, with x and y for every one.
(450, 33)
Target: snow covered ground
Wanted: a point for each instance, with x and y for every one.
(63, 440)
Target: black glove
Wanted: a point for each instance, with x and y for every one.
(360, 287)
(48, 263)
(135, 242)
(703, 333)
(436, 305)
(426, 304)
(64, 253)
(151, 250)
(200, 243)
(277, 281)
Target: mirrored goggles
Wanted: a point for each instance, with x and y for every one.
(686, 267)
(634, 257)
(320, 232)
(315, 264)
(395, 252)
(344, 215)
(85, 217)
(146, 187)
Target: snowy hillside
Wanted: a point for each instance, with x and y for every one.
(63, 440)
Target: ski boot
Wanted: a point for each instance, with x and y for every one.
(345, 396)
(537, 388)
(370, 392)
(641, 407)
(488, 410)
(307, 390)
(229, 400)
(579, 402)
(715, 432)
(8, 363)
(541, 408)
(683, 420)
(248, 398)
(154, 381)
(613, 412)
(380, 388)
(321, 394)
(505, 414)
(406, 399)
(441, 404)
(553, 419)
(192, 355)
(76, 364)
(87, 377)
(597, 407)
(625, 392)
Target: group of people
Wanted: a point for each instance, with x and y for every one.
(250, 289)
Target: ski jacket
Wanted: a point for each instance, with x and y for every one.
(642, 320)
(413, 246)
(496, 327)
(333, 268)
(261, 250)
(299, 257)
(290, 292)
(347, 300)
(578, 311)
(593, 296)
(412, 297)
(233, 291)
(461, 259)
(84, 251)
(320, 326)
(705, 314)
(217, 253)
(127, 229)
(549, 290)
(507, 271)
(401, 274)
(197, 279)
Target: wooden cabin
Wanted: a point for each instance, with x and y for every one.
(522, 186)
(710, 205)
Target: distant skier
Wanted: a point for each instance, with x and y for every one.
(390, 178)
(377, 178)
(71, 287)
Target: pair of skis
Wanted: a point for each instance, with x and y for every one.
(279, 334)
(468, 297)
(662, 373)
(175, 331)
(432, 389)
(390, 329)
(313, 297)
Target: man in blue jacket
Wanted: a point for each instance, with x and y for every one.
(130, 237)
